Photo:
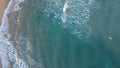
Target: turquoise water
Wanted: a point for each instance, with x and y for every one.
(87, 41)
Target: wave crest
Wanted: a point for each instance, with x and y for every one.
(74, 15)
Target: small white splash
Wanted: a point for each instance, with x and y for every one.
(110, 38)
(64, 11)
(65, 6)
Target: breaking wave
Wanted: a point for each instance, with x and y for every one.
(73, 15)
(11, 55)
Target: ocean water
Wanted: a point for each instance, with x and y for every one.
(61, 34)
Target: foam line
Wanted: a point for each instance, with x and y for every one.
(7, 51)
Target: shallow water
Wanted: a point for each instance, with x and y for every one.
(68, 34)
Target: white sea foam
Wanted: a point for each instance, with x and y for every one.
(8, 53)
(74, 15)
